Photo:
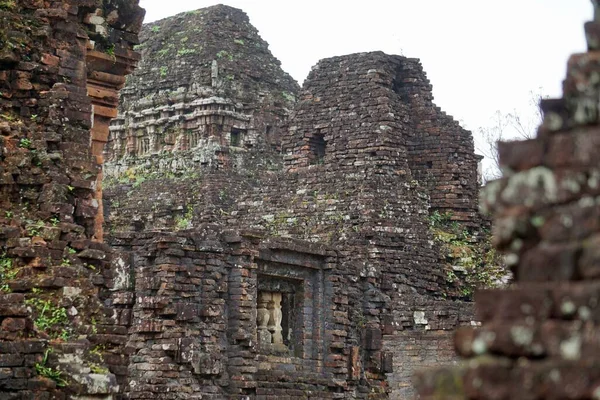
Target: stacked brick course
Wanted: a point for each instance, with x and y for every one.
(540, 338)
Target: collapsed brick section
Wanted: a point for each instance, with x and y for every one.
(540, 338)
(61, 65)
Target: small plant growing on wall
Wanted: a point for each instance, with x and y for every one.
(163, 71)
(7, 272)
(49, 317)
(54, 374)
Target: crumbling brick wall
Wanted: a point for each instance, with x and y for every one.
(61, 65)
(540, 337)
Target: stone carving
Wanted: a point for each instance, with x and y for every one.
(269, 317)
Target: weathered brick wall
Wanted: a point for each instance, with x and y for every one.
(363, 199)
(437, 151)
(60, 64)
(540, 338)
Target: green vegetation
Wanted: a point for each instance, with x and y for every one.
(163, 71)
(51, 318)
(96, 353)
(288, 96)
(155, 29)
(239, 41)
(25, 143)
(51, 373)
(110, 50)
(35, 228)
(472, 262)
(98, 369)
(8, 5)
(184, 221)
(184, 52)
(225, 54)
(162, 52)
(7, 272)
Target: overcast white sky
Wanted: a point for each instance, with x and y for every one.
(480, 55)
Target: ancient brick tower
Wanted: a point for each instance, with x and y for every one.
(540, 338)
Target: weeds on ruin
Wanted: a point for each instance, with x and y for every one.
(164, 71)
(8, 5)
(7, 272)
(184, 52)
(35, 228)
(98, 369)
(288, 96)
(96, 354)
(51, 318)
(225, 54)
(185, 221)
(25, 143)
(51, 373)
(472, 262)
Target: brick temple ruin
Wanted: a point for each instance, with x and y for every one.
(229, 235)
